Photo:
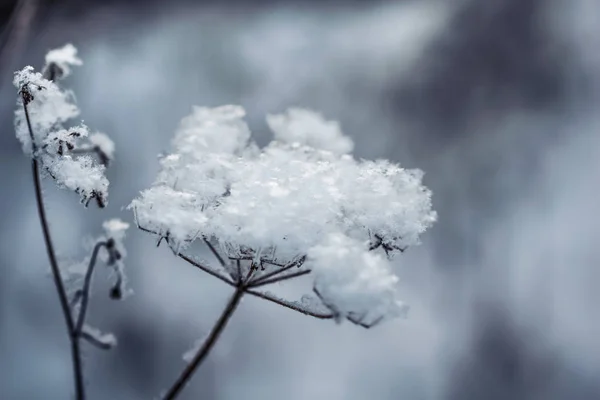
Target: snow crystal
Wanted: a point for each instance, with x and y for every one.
(115, 228)
(351, 280)
(60, 151)
(48, 107)
(217, 130)
(189, 355)
(107, 340)
(64, 58)
(309, 128)
(64, 140)
(80, 175)
(103, 143)
(162, 209)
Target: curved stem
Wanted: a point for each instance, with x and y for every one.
(208, 344)
(58, 281)
(85, 293)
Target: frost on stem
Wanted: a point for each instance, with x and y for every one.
(191, 352)
(94, 336)
(352, 281)
(65, 154)
(115, 230)
(110, 250)
(300, 205)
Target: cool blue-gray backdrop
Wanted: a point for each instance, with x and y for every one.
(496, 100)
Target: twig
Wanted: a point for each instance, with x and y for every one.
(206, 269)
(215, 252)
(216, 331)
(289, 305)
(287, 267)
(85, 292)
(238, 268)
(263, 282)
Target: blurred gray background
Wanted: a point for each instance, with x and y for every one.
(496, 100)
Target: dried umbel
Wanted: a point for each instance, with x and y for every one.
(301, 197)
(301, 206)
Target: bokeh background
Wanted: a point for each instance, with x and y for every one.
(496, 100)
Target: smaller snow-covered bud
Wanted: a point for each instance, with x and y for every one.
(59, 62)
(64, 140)
(115, 230)
(116, 292)
(103, 146)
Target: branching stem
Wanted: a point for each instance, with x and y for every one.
(280, 278)
(56, 275)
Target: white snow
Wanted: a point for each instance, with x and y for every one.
(55, 147)
(64, 58)
(300, 195)
(309, 128)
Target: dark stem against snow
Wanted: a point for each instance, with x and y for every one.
(243, 283)
(56, 275)
(84, 294)
(75, 326)
(208, 344)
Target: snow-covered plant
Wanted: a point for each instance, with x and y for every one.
(75, 159)
(302, 205)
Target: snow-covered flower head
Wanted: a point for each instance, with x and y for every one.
(115, 230)
(63, 153)
(301, 196)
(63, 58)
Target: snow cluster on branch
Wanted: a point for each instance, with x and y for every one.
(301, 195)
(115, 230)
(63, 58)
(64, 153)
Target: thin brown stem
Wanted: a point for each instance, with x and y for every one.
(215, 252)
(263, 282)
(289, 305)
(56, 274)
(208, 344)
(206, 269)
(287, 267)
(85, 293)
(251, 270)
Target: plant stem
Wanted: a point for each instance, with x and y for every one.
(85, 294)
(208, 344)
(60, 288)
(58, 281)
